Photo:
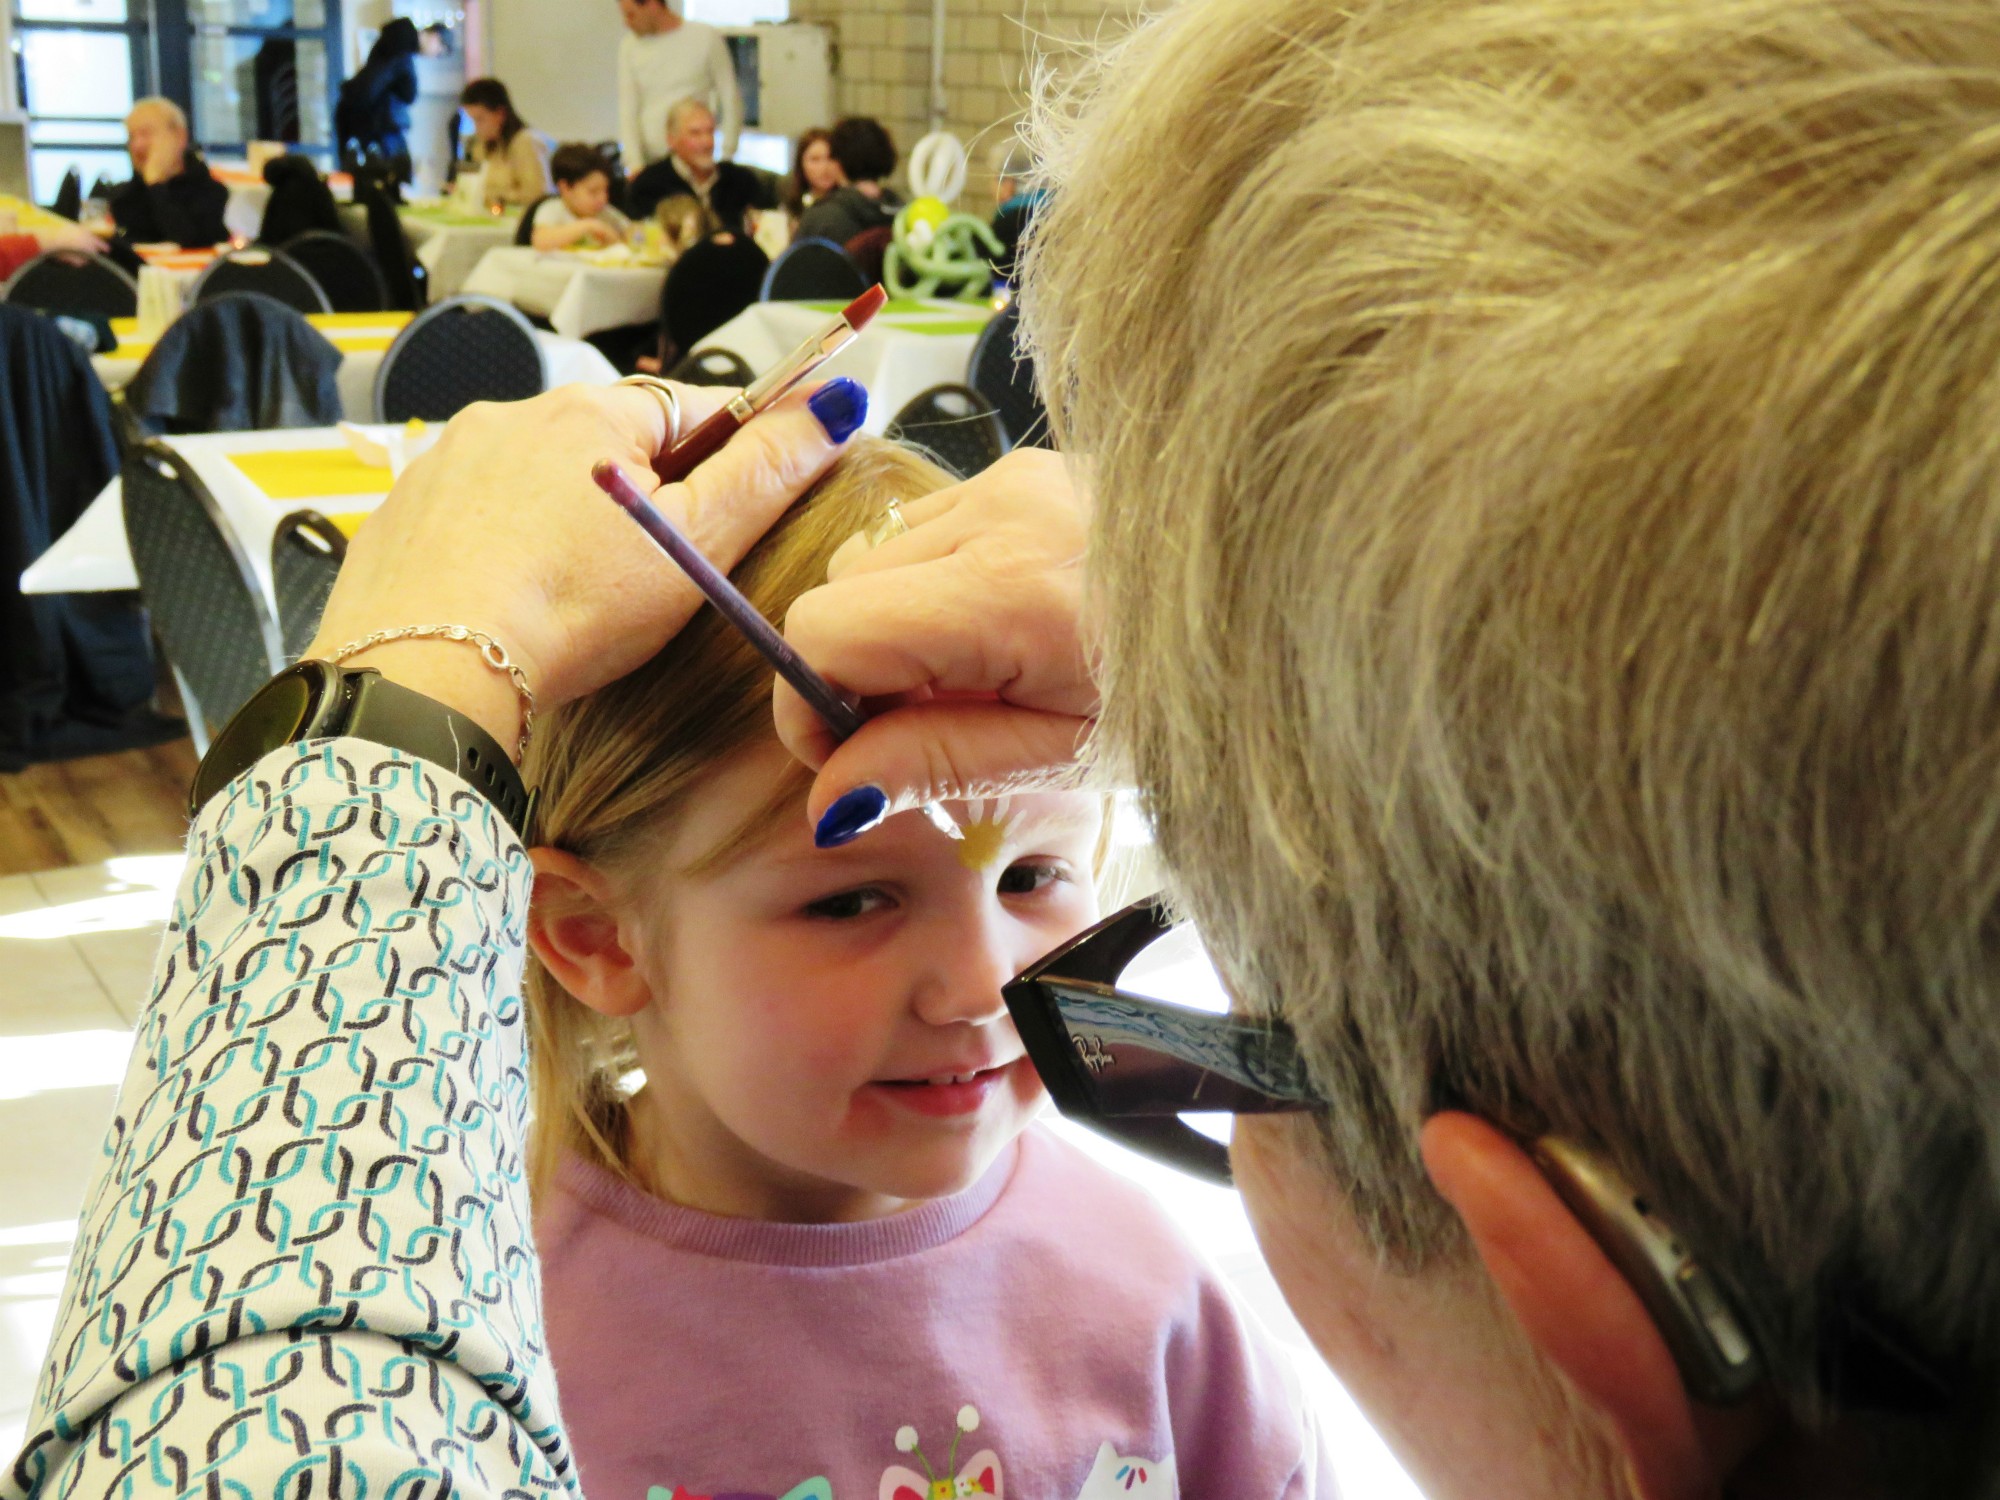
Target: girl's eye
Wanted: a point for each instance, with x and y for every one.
(1030, 876)
(847, 905)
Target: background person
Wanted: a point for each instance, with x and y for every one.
(662, 60)
(726, 188)
(814, 173)
(371, 116)
(171, 198)
(16, 250)
(580, 213)
(866, 156)
(517, 169)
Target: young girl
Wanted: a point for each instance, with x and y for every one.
(820, 1251)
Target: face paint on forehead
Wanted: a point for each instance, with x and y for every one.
(986, 822)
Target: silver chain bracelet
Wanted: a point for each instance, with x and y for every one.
(491, 652)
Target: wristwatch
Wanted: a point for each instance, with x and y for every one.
(317, 700)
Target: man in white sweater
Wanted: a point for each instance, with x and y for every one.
(662, 61)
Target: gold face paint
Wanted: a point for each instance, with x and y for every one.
(985, 827)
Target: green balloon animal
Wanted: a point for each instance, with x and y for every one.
(936, 252)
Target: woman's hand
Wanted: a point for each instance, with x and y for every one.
(972, 623)
(500, 528)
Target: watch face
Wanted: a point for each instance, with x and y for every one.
(277, 715)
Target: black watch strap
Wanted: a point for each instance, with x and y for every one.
(318, 700)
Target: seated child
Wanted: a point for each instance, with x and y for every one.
(580, 212)
(822, 1250)
(685, 221)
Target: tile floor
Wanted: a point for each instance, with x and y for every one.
(76, 955)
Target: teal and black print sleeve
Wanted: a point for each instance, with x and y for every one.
(305, 1267)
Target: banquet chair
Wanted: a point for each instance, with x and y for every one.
(206, 606)
(464, 350)
(713, 367)
(306, 555)
(710, 284)
(69, 196)
(74, 283)
(237, 363)
(812, 270)
(524, 232)
(408, 282)
(267, 272)
(1004, 375)
(344, 271)
(870, 249)
(955, 425)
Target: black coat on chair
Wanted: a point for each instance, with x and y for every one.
(237, 363)
(73, 667)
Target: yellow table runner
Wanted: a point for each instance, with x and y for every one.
(313, 474)
(350, 333)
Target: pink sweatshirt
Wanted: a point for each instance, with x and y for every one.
(1045, 1334)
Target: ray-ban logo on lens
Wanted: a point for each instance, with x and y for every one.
(1091, 1050)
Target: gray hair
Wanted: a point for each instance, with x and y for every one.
(678, 112)
(1548, 498)
(159, 104)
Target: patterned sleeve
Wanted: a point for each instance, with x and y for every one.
(304, 1267)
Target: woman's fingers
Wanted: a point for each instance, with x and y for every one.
(953, 750)
(940, 522)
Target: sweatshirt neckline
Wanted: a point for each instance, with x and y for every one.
(808, 1246)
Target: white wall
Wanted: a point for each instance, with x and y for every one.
(559, 59)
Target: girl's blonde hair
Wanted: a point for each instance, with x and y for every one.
(613, 768)
(1547, 458)
(685, 221)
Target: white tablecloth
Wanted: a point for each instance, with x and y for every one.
(907, 349)
(577, 298)
(570, 362)
(92, 554)
(451, 250)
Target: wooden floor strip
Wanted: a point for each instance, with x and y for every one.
(77, 812)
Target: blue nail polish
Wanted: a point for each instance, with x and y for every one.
(851, 816)
(841, 406)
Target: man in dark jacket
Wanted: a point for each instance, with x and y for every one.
(724, 187)
(171, 198)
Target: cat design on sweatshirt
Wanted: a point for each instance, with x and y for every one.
(1114, 1477)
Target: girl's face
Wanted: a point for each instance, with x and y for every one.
(825, 1038)
(485, 122)
(587, 196)
(822, 172)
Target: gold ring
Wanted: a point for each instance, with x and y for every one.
(669, 398)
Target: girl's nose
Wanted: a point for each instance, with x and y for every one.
(961, 979)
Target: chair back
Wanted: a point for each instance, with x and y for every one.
(205, 603)
(267, 272)
(524, 232)
(306, 555)
(1001, 373)
(707, 286)
(812, 270)
(955, 425)
(713, 367)
(461, 351)
(236, 363)
(344, 271)
(74, 283)
(69, 196)
(869, 249)
(408, 283)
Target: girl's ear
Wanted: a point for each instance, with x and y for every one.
(574, 928)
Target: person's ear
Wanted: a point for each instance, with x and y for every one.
(575, 929)
(1574, 1305)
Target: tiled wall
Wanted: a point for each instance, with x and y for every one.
(883, 63)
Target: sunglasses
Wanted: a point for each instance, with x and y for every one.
(1129, 1067)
